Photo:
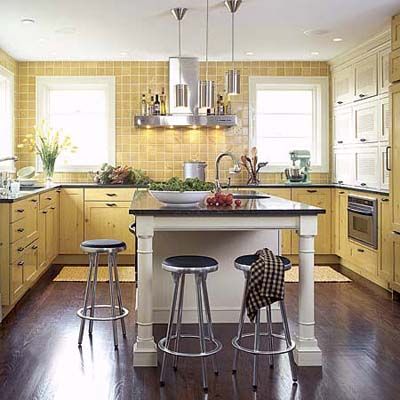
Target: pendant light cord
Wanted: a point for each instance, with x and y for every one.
(207, 43)
(180, 51)
(233, 40)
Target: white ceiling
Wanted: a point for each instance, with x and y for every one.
(145, 30)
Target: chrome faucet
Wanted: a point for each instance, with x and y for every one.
(236, 167)
(11, 158)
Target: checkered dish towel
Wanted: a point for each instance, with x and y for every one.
(266, 282)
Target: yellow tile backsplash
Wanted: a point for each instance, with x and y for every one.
(159, 152)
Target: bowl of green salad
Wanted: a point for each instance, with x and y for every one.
(178, 192)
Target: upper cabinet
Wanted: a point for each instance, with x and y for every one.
(396, 32)
(395, 54)
(343, 86)
(366, 78)
(343, 125)
(366, 122)
(384, 70)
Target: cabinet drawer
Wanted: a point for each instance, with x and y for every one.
(17, 249)
(366, 259)
(109, 194)
(45, 199)
(19, 210)
(17, 230)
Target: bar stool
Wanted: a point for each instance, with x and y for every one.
(199, 266)
(94, 248)
(243, 263)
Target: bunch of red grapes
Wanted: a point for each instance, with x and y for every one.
(223, 200)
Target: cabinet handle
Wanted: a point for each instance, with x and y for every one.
(342, 192)
(311, 190)
(360, 250)
(385, 199)
(20, 230)
(395, 233)
(48, 198)
(111, 194)
(340, 141)
(387, 158)
(21, 263)
(363, 184)
(52, 208)
(339, 102)
(20, 249)
(33, 200)
(20, 210)
(363, 140)
(34, 247)
(361, 95)
(58, 190)
(111, 204)
(44, 212)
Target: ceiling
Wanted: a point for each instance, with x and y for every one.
(145, 30)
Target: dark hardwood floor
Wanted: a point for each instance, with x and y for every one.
(358, 331)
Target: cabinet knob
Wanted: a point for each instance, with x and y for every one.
(52, 208)
(363, 184)
(48, 198)
(342, 192)
(20, 249)
(20, 263)
(34, 247)
(361, 95)
(339, 182)
(363, 140)
(20, 210)
(44, 212)
(20, 230)
(111, 194)
(339, 102)
(340, 141)
(385, 199)
(33, 200)
(311, 190)
(360, 250)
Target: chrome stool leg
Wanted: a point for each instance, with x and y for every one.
(86, 299)
(209, 320)
(270, 335)
(179, 319)
(256, 348)
(198, 278)
(112, 298)
(94, 286)
(293, 367)
(118, 288)
(176, 278)
(241, 322)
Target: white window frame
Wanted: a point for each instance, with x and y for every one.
(44, 83)
(320, 86)
(9, 166)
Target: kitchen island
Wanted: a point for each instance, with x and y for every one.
(255, 214)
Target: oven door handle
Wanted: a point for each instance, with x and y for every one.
(358, 211)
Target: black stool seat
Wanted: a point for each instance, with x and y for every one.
(103, 244)
(244, 262)
(190, 264)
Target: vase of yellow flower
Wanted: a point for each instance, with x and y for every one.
(48, 144)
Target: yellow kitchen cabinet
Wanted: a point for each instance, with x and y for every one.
(42, 260)
(394, 71)
(385, 270)
(396, 262)
(109, 220)
(286, 235)
(31, 219)
(49, 234)
(395, 156)
(340, 221)
(71, 220)
(396, 32)
(17, 279)
(31, 263)
(319, 197)
(365, 258)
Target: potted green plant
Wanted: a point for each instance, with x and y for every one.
(48, 144)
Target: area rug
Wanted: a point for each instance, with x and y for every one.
(80, 274)
(321, 274)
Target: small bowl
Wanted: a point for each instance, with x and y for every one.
(26, 172)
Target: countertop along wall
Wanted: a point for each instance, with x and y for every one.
(158, 152)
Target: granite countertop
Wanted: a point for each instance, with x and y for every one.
(30, 191)
(144, 203)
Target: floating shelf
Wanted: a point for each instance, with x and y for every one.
(178, 121)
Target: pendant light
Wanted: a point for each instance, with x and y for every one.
(232, 77)
(181, 89)
(206, 87)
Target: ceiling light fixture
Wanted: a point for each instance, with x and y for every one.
(232, 77)
(206, 87)
(27, 21)
(337, 39)
(316, 32)
(181, 89)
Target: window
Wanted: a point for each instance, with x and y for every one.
(6, 118)
(289, 113)
(84, 108)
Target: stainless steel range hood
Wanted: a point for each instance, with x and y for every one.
(184, 117)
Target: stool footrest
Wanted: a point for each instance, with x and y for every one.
(236, 345)
(216, 349)
(80, 313)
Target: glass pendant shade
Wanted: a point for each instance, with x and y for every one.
(232, 82)
(181, 95)
(206, 94)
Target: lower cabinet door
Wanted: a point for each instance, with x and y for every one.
(31, 262)
(17, 279)
(109, 220)
(42, 260)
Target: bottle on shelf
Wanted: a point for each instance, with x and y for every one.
(220, 105)
(143, 105)
(156, 106)
(151, 105)
(163, 105)
(228, 106)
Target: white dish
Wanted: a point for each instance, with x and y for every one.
(26, 173)
(188, 198)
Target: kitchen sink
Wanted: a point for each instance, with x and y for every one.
(249, 196)
(26, 189)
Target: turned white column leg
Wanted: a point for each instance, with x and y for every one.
(144, 349)
(307, 352)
